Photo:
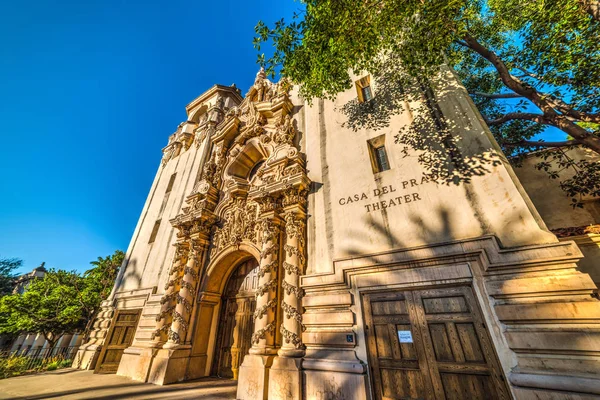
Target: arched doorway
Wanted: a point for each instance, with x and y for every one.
(236, 322)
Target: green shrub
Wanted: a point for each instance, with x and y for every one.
(12, 366)
(65, 363)
(52, 366)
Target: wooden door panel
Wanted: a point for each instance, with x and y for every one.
(460, 354)
(469, 342)
(402, 384)
(119, 337)
(472, 387)
(236, 323)
(450, 356)
(397, 368)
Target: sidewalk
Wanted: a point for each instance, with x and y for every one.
(76, 384)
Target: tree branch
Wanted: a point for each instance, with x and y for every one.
(533, 143)
(539, 118)
(497, 95)
(550, 114)
(592, 7)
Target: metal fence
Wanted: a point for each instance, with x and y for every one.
(37, 359)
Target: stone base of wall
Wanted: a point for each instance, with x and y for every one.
(87, 356)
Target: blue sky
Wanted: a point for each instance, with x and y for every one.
(89, 93)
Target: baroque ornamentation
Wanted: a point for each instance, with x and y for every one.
(291, 269)
(294, 250)
(270, 267)
(284, 130)
(239, 224)
(291, 337)
(186, 304)
(291, 312)
(261, 333)
(260, 312)
(271, 285)
(174, 337)
(289, 289)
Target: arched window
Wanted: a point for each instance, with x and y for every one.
(255, 169)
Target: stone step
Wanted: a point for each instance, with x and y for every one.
(144, 334)
(154, 298)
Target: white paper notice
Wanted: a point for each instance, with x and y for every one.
(405, 337)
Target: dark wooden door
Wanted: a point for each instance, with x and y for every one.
(120, 335)
(236, 322)
(430, 344)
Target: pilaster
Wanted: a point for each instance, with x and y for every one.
(254, 371)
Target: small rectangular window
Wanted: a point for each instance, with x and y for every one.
(154, 232)
(382, 160)
(171, 183)
(366, 92)
(378, 154)
(363, 89)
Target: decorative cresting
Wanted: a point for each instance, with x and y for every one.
(190, 132)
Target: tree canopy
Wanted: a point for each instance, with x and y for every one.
(529, 66)
(61, 302)
(7, 276)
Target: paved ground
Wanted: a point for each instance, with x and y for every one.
(76, 384)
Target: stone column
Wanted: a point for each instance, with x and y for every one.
(185, 296)
(165, 317)
(263, 339)
(253, 380)
(285, 380)
(293, 265)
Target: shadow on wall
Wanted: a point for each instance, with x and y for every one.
(435, 227)
(130, 275)
(436, 138)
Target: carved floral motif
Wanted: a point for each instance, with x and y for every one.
(239, 224)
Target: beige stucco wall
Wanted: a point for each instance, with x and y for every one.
(553, 204)
(339, 166)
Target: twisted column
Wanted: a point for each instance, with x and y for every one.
(291, 304)
(165, 317)
(185, 296)
(263, 338)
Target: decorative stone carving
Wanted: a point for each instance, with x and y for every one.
(239, 224)
(263, 339)
(187, 292)
(254, 123)
(293, 265)
(284, 131)
(164, 317)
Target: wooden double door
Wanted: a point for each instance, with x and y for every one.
(236, 322)
(430, 344)
(119, 337)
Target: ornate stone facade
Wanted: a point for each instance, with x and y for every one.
(355, 267)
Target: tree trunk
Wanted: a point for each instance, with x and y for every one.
(592, 7)
(550, 116)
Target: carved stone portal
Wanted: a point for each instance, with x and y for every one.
(251, 192)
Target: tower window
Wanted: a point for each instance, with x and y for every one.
(363, 89)
(382, 160)
(154, 232)
(171, 183)
(366, 93)
(378, 154)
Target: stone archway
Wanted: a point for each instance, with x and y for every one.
(209, 307)
(236, 322)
